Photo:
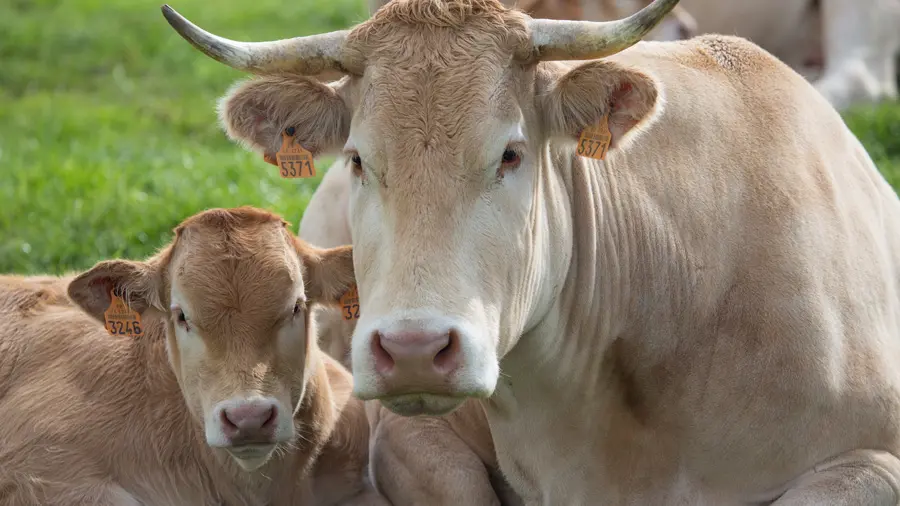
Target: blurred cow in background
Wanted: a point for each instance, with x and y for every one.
(846, 48)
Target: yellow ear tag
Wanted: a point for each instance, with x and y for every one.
(293, 160)
(595, 139)
(350, 304)
(121, 320)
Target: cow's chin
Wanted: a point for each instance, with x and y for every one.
(422, 404)
(251, 457)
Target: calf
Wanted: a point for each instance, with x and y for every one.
(218, 395)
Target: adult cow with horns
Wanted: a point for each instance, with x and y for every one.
(707, 315)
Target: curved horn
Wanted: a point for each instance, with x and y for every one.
(584, 40)
(304, 55)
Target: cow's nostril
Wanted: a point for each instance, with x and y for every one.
(447, 358)
(273, 414)
(227, 424)
(384, 362)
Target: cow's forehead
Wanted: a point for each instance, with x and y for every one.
(426, 113)
(252, 274)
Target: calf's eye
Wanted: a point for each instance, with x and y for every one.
(180, 317)
(298, 306)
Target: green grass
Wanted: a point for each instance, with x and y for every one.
(108, 132)
(108, 135)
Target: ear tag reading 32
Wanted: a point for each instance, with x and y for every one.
(350, 304)
(595, 139)
(121, 320)
(293, 160)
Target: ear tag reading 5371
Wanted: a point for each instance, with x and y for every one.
(350, 304)
(293, 159)
(121, 320)
(595, 139)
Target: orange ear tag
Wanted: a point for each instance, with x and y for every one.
(121, 320)
(595, 139)
(350, 304)
(293, 160)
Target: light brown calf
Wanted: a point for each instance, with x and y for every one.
(221, 398)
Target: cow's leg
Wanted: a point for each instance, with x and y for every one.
(422, 461)
(862, 477)
(860, 39)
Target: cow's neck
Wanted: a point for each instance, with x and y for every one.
(596, 238)
(213, 473)
(585, 251)
(587, 353)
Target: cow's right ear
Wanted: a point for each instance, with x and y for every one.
(136, 282)
(578, 98)
(256, 112)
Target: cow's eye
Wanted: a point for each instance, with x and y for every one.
(299, 306)
(357, 164)
(510, 161)
(180, 317)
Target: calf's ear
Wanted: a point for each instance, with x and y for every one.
(256, 112)
(582, 96)
(329, 272)
(135, 282)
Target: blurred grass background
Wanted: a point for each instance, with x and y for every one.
(108, 132)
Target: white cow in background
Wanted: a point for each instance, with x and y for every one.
(847, 48)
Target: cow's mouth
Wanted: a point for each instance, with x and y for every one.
(422, 404)
(251, 456)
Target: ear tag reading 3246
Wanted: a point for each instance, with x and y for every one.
(293, 159)
(595, 139)
(121, 320)
(350, 304)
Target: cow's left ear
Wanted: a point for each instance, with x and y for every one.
(580, 97)
(329, 272)
(137, 283)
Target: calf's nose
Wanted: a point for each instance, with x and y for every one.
(253, 420)
(432, 353)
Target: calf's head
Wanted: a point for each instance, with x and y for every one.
(444, 119)
(234, 288)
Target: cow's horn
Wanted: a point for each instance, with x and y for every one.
(303, 55)
(583, 40)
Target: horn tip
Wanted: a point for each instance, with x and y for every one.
(170, 14)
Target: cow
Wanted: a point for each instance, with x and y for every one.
(217, 395)
(427, 460)
(667, 270)
(847, 48)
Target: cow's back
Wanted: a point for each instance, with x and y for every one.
(22, 301)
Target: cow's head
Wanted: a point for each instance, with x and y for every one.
(445, 117)
(234, 287)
